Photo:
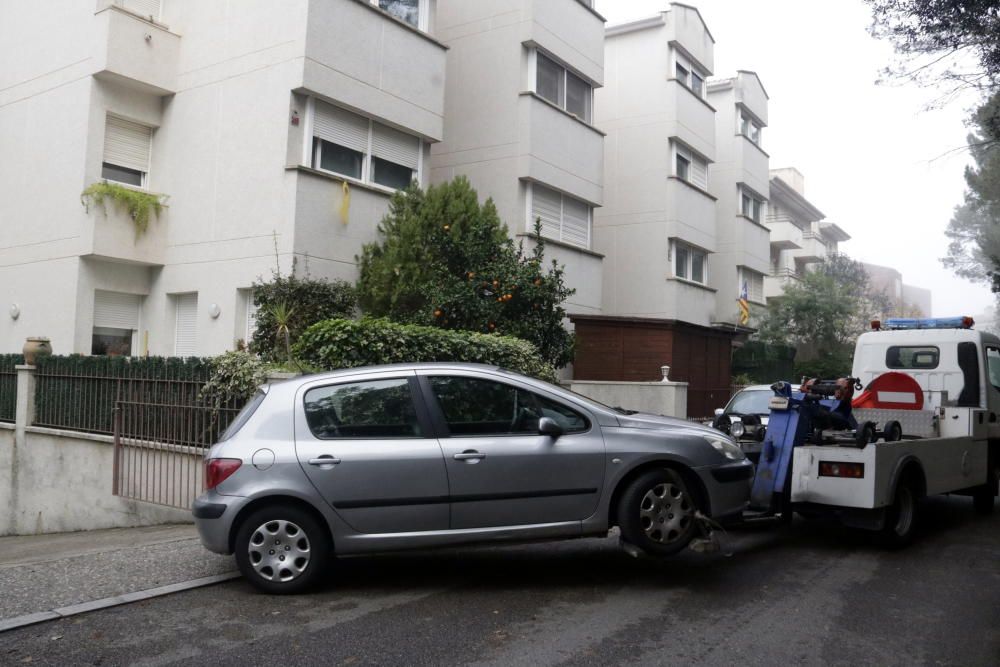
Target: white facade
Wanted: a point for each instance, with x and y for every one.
(658, 223)
(796, 238)
(740, 183)
(226, 95)
(519, 116)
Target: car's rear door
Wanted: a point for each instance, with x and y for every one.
(366, 445)
(501, 471)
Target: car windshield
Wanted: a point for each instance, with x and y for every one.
(750, 402)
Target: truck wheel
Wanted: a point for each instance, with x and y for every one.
(893, 432)
(983, 498)
(864, 435)
(901, 516)
(281, 549)
(656, 513)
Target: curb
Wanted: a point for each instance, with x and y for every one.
(114, 601)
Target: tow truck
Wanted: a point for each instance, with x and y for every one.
(927, 423)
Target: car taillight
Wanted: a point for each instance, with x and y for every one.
(217, 470)
(837, 469)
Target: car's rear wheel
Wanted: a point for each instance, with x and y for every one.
(282, 549)
(657, 513)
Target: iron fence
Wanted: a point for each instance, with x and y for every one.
(8, 385)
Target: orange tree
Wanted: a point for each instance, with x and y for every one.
(443, 259)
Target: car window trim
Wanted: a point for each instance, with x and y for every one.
(441, 423)
(416, 399)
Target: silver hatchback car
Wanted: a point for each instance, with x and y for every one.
(424, 455)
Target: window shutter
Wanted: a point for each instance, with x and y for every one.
(547, 205)
(185, 341)
(115, 310)
(576, 222)
(144, 8)
(395, 146)
(126, 144)
(251, 316)
(341, 127)
(699, 173)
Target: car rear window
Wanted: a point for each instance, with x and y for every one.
(912, 356)
(244, 415)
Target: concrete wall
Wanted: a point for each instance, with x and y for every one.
(657, 398)
(61, 481)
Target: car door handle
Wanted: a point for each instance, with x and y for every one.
(325, 460)
(470, 455)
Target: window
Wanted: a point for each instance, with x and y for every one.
(686, 73)
(563, 218)
(116, 323)
(689, 263)
(476, 407)
(149, 9)
(126, 151)
(246, 315)
(993, 366)
(689, 167)
(751, 205)
(749, 127)
(410, 11)
(373, 409)
(185, 324)
(753, 283)
(912, 357)
(350, 145)
(563, 88)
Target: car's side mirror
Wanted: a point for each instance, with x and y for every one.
(549, 426)
(718, 411)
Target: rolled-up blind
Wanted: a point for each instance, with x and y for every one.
(340, 127)
(576, 222)
(126, 144)
(186, 329)
(547, 205)
(395, 146)
(115, 310)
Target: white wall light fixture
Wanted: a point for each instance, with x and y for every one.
(214, 310)
(15, 311)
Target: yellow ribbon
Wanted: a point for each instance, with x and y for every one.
(345, 203)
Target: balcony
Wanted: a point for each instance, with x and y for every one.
(361, 57)
(110, 234)
(785, 236)
(690, 213)
(690, 118)
(813, 249)
(753, 248)
(779, 278)
(561, 150)
(571, 30)
(135, 52)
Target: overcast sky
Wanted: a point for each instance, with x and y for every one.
(869, 154)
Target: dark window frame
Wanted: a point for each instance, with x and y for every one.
(893, 357)
(425, 430)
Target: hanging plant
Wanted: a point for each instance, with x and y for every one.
(139, 205)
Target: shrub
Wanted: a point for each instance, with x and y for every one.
(298, 303)
(139, 205)
(235, 377)
(445, 260)
(344, 343)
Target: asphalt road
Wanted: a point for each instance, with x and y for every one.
(808, 594)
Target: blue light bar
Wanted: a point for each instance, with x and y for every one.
(929, 323)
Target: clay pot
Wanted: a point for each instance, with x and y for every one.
(36, 348)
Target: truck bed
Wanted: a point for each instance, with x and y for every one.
(949, 464)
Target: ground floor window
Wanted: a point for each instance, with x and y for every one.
(116, 323)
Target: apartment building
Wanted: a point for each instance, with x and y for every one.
(658, 226)
(275, 132)
(800, 235)
(519, 119)
(739, 181)
(904, 300)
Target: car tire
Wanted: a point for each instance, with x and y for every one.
(893, 432)
(281, 549)
(901, 517)
(657, 513)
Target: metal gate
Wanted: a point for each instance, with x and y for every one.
(159, 450)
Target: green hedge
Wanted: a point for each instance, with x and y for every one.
(79, 392)
(339, 343)
(8, 385)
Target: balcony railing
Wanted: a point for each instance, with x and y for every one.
(785, 272)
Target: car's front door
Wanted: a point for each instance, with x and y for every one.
(366, 446)
(501, 471)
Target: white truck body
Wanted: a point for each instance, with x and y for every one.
(961, 407)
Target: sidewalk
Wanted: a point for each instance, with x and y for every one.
(46, 573)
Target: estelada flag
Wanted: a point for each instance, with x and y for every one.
(744, 303)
